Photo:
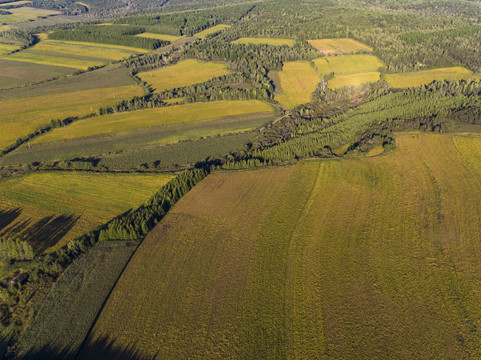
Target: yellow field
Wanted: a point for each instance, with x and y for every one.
(53, 60)
(70, 204)
(4, 27)
(185, 73)
(24, 14)
(131, 120)
(298, 81)
(211, 30)
(339, 46)
(349, 64)
(373, 258)
(20, 117)
(268, 41)
(164, 37)
(353, 79)
(419, 78)
(16, 3)
(5, 49)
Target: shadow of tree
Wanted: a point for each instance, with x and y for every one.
(8, 216)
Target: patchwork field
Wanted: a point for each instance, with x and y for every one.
(353, 79)
(166, 116)
(298, 81)
(164, 37)
(419, 78)
(184, 73)
(339, 46)
(382, 261)
(212, 30)
(268, 41)
(349, 64)
(53, 208)
(19, 117)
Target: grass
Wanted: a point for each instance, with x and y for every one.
(15, 3)
(339, 46)
(79, 293)
(31, 56)
(353, 79)
(185, 73)
(20, 117)
(349, 64)
(212, 30)
(171, 115)
(362, 258)
(298, 80)
(5, 49)
(24, 14)
(70, 203)
(268, 41)
(164, 37)
(419, 78)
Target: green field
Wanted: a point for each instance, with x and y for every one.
(212, 30)
(229, 274)
(268, 41)
(171, 115)
(298, 81)
(24, 14)
(353, 79)
(349, 64)
(164, 37)
(419, 78)
(339, 46)
(15, 3)
(185, 73)
(5, 49)
(20, 117)
(58, 207)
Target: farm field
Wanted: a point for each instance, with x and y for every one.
(19, 117)
(164, 116)
(235, 277)
(353, 79)
(164, 37)
(339, 46)
(24, 14)
(137, 139)
(419, 78)
(349, 64)
(212, 30)
(185, 73)
(5, 49)
(268, 41)
(298, 81)
(53, 208)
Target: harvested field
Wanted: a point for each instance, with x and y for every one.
(164, 37)
(185, 73)
(298, 81)
(353, 80)
(268, 41)
(339, 46)
(349, 64)
(212, 30)
(382, 261)
(419, 78)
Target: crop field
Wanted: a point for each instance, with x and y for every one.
(212, 30)
(19, 73)
(5, 49)
(399, 282)
(349, 64)
(268, 41)
(185, 73)
(138, 139)
(166, 116)
(353, 79)
(79, 293)
(339, 46)
(15, 3)
(54, 208)
(24, 14)
(419, 78)
(164, 37)
(298, 81)
(19, 117)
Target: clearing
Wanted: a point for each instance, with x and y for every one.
(339, 46)
(424, 77)
(267, 41)
(212, 30)
(349, 64)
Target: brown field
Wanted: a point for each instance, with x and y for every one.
(373, 258)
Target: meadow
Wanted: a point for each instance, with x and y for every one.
(24, 14)
(241, 279)
(424, 77)
(349, 64)
(339, 46)
(212, 30)
(268, 41)
(20, 117)
(54, 208)
(185, 73)
(164, 116)
(164, 37)
(353, 79)
(298, 81)
(5, 49)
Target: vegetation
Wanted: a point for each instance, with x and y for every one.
(210, 31)
(162, 37)
(419, 78)
(268, 41)
(339, 46)
(349, 64)
(353, 79)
